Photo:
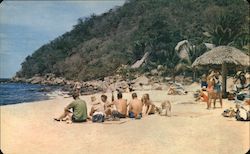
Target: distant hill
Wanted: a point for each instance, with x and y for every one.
(98, 45)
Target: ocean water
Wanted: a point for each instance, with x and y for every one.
(13, 93)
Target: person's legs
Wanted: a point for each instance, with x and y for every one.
(220, 95)
(65, 116)
(209, 100)
(215, 96)
(215, 101)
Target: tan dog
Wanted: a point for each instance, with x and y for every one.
(165, 109)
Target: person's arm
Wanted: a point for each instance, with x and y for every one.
(109, 104)
(129, 107)
(70, 106)
(92, 111)
(149, 109)
(114, 102)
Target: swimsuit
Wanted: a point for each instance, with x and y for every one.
(117, 114)
(132, 115)
(217, 87)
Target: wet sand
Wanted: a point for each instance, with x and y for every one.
(29, 128)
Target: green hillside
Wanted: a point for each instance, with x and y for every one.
(98, 45)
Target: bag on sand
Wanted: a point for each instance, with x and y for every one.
(229, 113)
(240, 118)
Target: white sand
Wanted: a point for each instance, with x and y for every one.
(29, 128)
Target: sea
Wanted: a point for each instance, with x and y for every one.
(14, 93)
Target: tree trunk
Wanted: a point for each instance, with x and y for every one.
(224, 80)
(194, 75)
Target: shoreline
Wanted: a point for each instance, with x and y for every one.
(31, 125)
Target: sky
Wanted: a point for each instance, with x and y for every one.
(27, 25)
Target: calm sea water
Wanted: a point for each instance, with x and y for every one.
(13, 93)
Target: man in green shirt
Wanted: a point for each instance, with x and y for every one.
(79, 111)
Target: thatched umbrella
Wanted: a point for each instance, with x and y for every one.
(223, 56)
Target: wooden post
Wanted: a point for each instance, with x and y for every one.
(224, 80)
(194, 75)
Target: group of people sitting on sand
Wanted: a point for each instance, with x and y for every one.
(103, 110)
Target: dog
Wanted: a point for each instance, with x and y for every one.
(165, 109)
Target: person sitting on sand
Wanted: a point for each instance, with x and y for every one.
(108, 107)
(243, 81)
(135, 107)
(79, 108)
(150, 107)
(121, 107)
(97, 110)
(203, 95)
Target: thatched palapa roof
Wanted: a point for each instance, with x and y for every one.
(223, 54)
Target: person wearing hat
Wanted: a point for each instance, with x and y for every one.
(76, 111)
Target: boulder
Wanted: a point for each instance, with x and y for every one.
(160, 67)
(154, 72)
(36, 80)
(142, 80)
(157, 86)
(59, 80)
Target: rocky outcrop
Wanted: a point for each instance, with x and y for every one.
(108, 84)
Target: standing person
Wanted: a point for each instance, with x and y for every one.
(79, 108)
(135, 107)
(150, 107)
(217, 88)
(97, 110)
(210, 88)
(121, 107)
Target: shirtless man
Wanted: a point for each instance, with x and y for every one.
(150, 107)
(121, 107)
(135, 107)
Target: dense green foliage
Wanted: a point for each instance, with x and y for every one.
(98, 45)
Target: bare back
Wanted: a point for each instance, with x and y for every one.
(135, 106)
(121, 106)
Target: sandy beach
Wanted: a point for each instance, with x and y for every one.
(29, 128)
